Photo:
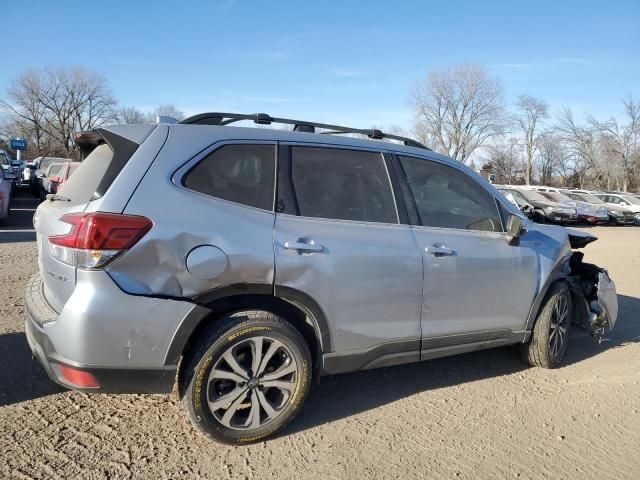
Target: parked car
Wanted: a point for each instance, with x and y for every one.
(586, 212)
(49, 179)
(545, 210)
(40, 166)
(525, 207)
(617, 215)
(5, 197)
(627, 201)
(9, 168)
(56, 181)
(246, 261)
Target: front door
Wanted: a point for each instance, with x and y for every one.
(476, 286)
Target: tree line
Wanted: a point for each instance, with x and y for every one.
(458, 111)
(461, 112)
(47, 106)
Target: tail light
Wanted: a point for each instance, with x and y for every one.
(96, 239)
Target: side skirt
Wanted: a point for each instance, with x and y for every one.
(411, 351)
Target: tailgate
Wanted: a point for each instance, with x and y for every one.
(107, 155)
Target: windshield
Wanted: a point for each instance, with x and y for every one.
(587, 197)
(55, 169)
(532, 195)
(47, 161)
(630, 199)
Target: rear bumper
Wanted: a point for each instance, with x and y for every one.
(68, 339)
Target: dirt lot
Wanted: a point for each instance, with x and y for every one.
(480, 415)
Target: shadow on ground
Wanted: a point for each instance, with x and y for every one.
(341, 396)
(21, 377)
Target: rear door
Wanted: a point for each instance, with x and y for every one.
(476, 287)
(338, 240)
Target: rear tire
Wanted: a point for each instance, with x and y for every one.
(550, 335)
(246, 378)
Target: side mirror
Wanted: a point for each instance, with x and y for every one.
(55, 179)
(515, 229)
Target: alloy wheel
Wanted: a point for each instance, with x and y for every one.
(252, 383)
(559, 326)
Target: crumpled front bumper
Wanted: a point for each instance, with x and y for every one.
(594, 295)
(604, 310)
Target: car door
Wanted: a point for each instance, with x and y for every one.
(476, 286)
(339, 241)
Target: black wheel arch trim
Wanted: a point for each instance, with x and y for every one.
(201, 311)
(558, 273)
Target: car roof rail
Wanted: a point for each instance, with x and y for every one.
(222, 118)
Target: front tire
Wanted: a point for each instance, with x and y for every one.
(550, 335)
(246, 378)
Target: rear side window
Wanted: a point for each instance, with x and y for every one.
(342, 185)
(238, 173)
(448, 198)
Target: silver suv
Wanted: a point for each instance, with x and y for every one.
(246, 262)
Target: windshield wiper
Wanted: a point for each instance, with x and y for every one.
(54, 196)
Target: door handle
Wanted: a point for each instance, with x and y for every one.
(439, 250)
(303, 247)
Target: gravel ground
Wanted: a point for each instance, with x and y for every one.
(479, 415)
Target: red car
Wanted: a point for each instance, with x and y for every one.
(62, 176)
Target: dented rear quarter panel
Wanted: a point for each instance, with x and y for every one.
(184, 220)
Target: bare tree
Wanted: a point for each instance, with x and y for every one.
(168, 111)
(623, 141)
(51, 104)
(504, 156)
(530, 111)
(551, 153)
(582, 146)
(131, 115)
(457, 110)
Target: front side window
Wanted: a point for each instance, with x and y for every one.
(238, 173)
(445, 197)
(342, 184)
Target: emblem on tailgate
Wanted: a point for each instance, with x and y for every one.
(57, 276)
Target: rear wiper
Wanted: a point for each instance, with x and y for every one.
(52, 197)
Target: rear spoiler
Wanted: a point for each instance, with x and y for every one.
(90, 139)
(87, 141)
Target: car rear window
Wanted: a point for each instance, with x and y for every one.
(82, 185)
(240, 173)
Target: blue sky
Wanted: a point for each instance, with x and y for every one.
(350, 62)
